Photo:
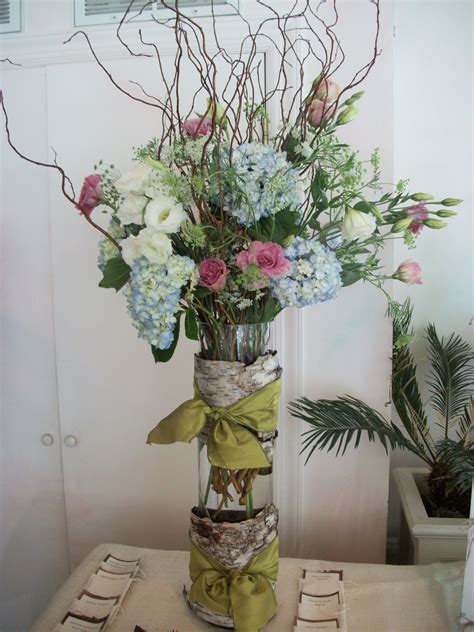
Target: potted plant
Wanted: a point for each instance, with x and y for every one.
(435, 498)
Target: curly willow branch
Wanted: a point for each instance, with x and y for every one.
(65, 181)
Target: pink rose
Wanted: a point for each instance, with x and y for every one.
(328, 90)
(268, 256)
(91, 194)
(418, 212)
(198, 126)
(319, 111)
(213, 274)
(409, 272)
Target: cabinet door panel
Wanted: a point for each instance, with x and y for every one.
(34, 560)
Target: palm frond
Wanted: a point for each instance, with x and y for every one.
(335, 423)
(405, 390)
(451, 379)
(460, 461)
(466, 421)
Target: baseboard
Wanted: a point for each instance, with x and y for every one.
(393, 550)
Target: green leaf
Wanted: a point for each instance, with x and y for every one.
(451, 379)
(278, 227)
(368, 207)
(116, 274)
(351, 273)
(191, 325)
(335, 423)
(164, 355)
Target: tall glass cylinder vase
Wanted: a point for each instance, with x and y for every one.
(235, 519)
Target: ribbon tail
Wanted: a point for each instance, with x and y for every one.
(253, 602)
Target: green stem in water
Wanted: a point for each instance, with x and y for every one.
(249, 505)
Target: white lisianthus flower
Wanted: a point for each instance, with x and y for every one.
(165, 214)
(357, 225)
(155, 246)
(136, 180)
(149, 243)
(131, 209)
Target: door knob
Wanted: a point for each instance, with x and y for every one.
(70, 441)
(47, 439)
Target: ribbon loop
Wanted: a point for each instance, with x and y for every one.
(232, 443)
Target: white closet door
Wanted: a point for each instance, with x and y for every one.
(34, 560)
(111, 393)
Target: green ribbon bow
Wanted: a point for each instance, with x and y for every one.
(231, 443)
(246, 594)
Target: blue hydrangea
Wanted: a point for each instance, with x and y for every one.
(266, 183)
(153, 295)
(314, 275)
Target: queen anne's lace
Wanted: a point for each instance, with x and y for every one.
(153, 295)
(314, 275)
(265, 184)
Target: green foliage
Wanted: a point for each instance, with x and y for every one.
(164, 355)
(335, 423)
(451, 377)
(191, 325)
(116, 274)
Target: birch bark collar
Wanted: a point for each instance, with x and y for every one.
(231, 443)
(246, 594)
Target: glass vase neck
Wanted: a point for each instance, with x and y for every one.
(234, 343)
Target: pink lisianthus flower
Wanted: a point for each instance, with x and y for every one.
(268, 256)
(91, 194)
(319, 111)
(328, 90)
(213, 274)
(198, 126)
(409, 272)
(418, 212)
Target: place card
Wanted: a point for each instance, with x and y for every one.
(324, 624)
(110, 585)
(113, 564)
(93, 606)
(76, 623)
(309, 574)
(328, 602)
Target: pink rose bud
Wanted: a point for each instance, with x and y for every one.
(418, 212)
(409, 272)
(268, 256)
(91, 194)
(198, 126)
(213, 274)
(318, 111)
(328, 90)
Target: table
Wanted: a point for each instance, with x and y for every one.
(379, 598)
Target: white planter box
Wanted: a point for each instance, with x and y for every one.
(424, 540)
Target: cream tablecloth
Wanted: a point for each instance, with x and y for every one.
(379, 598)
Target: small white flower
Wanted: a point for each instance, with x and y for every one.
(136, 180)
(165, 214)
(131, 209)
(357, 225)
(149, 243)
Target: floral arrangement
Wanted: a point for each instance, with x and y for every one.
(234, 234)
(227, 220)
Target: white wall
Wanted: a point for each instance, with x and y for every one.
(433, 82)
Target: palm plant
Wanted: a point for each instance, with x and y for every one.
(442, 445)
